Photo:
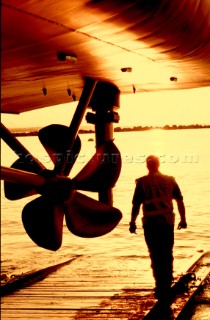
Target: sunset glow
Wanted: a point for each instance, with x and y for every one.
(153, 109)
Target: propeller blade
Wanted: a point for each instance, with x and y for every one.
(89, 218)
(55, 140)
(15, 191)
(43, 221)
(102, 171)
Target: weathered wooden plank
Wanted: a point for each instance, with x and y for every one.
(202, 313)
(69, 314)
(31, 277)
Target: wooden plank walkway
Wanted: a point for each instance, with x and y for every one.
(87, 288)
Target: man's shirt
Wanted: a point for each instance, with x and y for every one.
(156, 192)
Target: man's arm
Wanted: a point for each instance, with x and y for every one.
(136, 204)
(181, 208)
(177, 195)
(134, 215)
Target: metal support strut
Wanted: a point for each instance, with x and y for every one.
(103, 102)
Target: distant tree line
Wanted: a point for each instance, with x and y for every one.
(166, 127)
(122, 129)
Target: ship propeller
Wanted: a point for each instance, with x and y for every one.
(85, 217)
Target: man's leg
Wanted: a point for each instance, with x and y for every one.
(159, 236)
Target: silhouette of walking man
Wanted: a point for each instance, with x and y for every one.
(155, 193)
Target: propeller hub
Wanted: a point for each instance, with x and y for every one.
(60, 188)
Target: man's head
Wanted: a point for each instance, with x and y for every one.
(153, 163)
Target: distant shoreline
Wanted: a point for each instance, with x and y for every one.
(34, 131)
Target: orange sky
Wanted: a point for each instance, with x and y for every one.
(190, 106)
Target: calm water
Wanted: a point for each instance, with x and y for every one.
(185, 154)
